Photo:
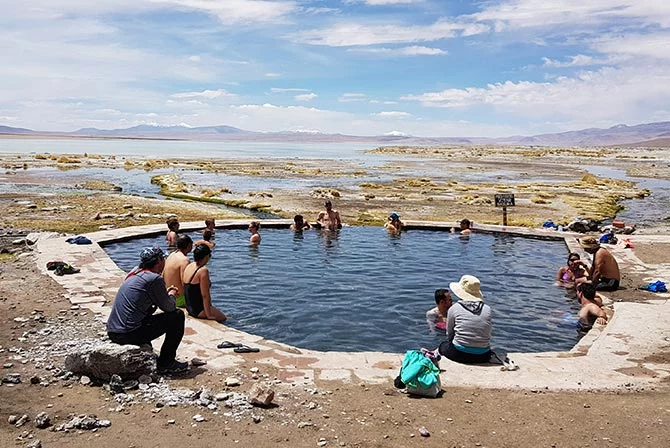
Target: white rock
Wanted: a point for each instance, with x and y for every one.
(232, 381)
(199, 418)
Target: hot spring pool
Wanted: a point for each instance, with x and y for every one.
(364, 290)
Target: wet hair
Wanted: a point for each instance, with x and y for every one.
(440, 295)
(183, 241)
(255, 224)
(465, 222)
(172, 223)
(201, 252)
(298, 218)
(588, 290)
(207, 234)
(572, 255)
(328, 203)
(209, 222)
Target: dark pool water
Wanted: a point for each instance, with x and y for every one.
(364, 290)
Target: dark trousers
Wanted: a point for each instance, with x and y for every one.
(169, 324)
(448, 350)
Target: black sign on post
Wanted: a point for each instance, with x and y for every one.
(504, 200)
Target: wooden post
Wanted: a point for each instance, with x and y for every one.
(505, 216)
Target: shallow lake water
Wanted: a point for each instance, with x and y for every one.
(364, 290)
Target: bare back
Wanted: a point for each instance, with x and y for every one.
(173, 272)
(605, 265)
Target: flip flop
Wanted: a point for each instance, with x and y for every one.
(228, 344)
(246, 349)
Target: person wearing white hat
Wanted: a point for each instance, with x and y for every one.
(469, 324)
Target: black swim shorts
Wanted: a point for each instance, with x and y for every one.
(607, 284)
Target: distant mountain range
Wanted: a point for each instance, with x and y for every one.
(649, 134)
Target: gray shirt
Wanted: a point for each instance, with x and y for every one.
(469, 324)
(138, 298)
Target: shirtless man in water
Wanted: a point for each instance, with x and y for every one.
(329, 219)
(604, 273)
(175, 264)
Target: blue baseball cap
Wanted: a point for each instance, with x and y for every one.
(394, 215)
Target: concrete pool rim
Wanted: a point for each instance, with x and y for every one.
(608, 358)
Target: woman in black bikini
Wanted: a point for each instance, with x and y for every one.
(197, 287)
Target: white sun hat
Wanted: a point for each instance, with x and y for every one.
(467, 288)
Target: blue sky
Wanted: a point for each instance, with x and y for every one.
(365, 67)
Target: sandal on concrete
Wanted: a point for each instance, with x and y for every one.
(228, 344)
(246, 349)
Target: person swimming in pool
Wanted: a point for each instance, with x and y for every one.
(207, 236)
(197, 286)
(299, 224)
(171, 236)
(255, 238)
(394, 224)
(437, 317)
(329, 219)
(575, 269)
(464, 228)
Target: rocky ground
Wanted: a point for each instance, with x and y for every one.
(204, 407)
(445, 184)
(38, 327)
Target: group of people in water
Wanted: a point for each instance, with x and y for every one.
(466, 323)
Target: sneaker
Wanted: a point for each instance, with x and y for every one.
(174, 367)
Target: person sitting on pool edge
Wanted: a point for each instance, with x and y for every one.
(469, 324)
(175, 264)
(171, 236)
(132, 319)
(198, 286)
(207, 236)
(394, 224)
(575, 269)
(591, 311)
(329, 219)
(299, 224)
(437, 317)
(255, 237)
(464, 228)
(604, 272)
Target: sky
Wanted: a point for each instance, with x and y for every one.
(361, 67)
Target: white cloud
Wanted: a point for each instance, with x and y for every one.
(239, 11)
(636, 45)
(352, 34)
(206, 94)
(574, 61)
(413, 50)
(389, 2)
(392, 114)
(285, 90)
(306, 96)
(540, 13)
(272, 75)
(352, 97)
(607, 95)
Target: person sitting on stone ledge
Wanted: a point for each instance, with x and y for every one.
(197, 287)
(175, 264)
(132, 319)
(604, 274)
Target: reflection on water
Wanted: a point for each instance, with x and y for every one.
(361, 290)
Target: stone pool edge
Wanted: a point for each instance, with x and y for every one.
(609, 358)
